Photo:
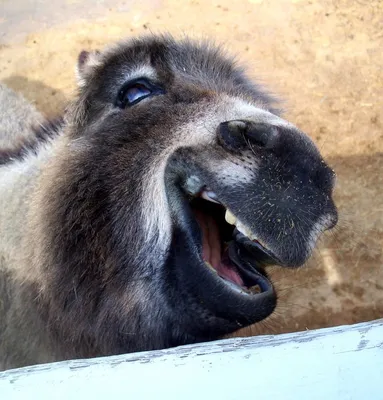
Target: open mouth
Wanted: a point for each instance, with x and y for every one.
(229, 248)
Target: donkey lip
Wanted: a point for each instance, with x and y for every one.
(251, 272)
(256, 250)
(226, 251)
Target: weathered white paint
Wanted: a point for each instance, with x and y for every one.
(336, 363)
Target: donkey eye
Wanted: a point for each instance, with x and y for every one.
(135, 91)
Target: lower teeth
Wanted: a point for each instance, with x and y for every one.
(235, 287)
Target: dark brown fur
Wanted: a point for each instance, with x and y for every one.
(108, 253)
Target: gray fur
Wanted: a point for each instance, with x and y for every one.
(97, 255)
(16, 118)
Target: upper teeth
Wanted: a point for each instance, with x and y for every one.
(230, 217)
(232, 220)
(245, 230)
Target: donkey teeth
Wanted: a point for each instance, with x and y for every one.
(245, 230)
(230, 218)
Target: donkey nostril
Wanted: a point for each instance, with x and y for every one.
(232, 133)
(263, 135)
(237, 127)
(238, 134)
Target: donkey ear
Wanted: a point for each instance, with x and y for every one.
(86, 62)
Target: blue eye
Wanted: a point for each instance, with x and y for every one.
(135, 91)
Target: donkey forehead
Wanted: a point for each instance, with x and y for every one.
(167, 61)
(166, 54)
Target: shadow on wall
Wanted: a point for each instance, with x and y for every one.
(49, 101)
(343, 282)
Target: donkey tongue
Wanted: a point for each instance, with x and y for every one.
(212, 249)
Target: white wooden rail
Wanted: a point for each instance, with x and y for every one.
(336, 363)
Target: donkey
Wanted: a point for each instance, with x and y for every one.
(144, 218)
